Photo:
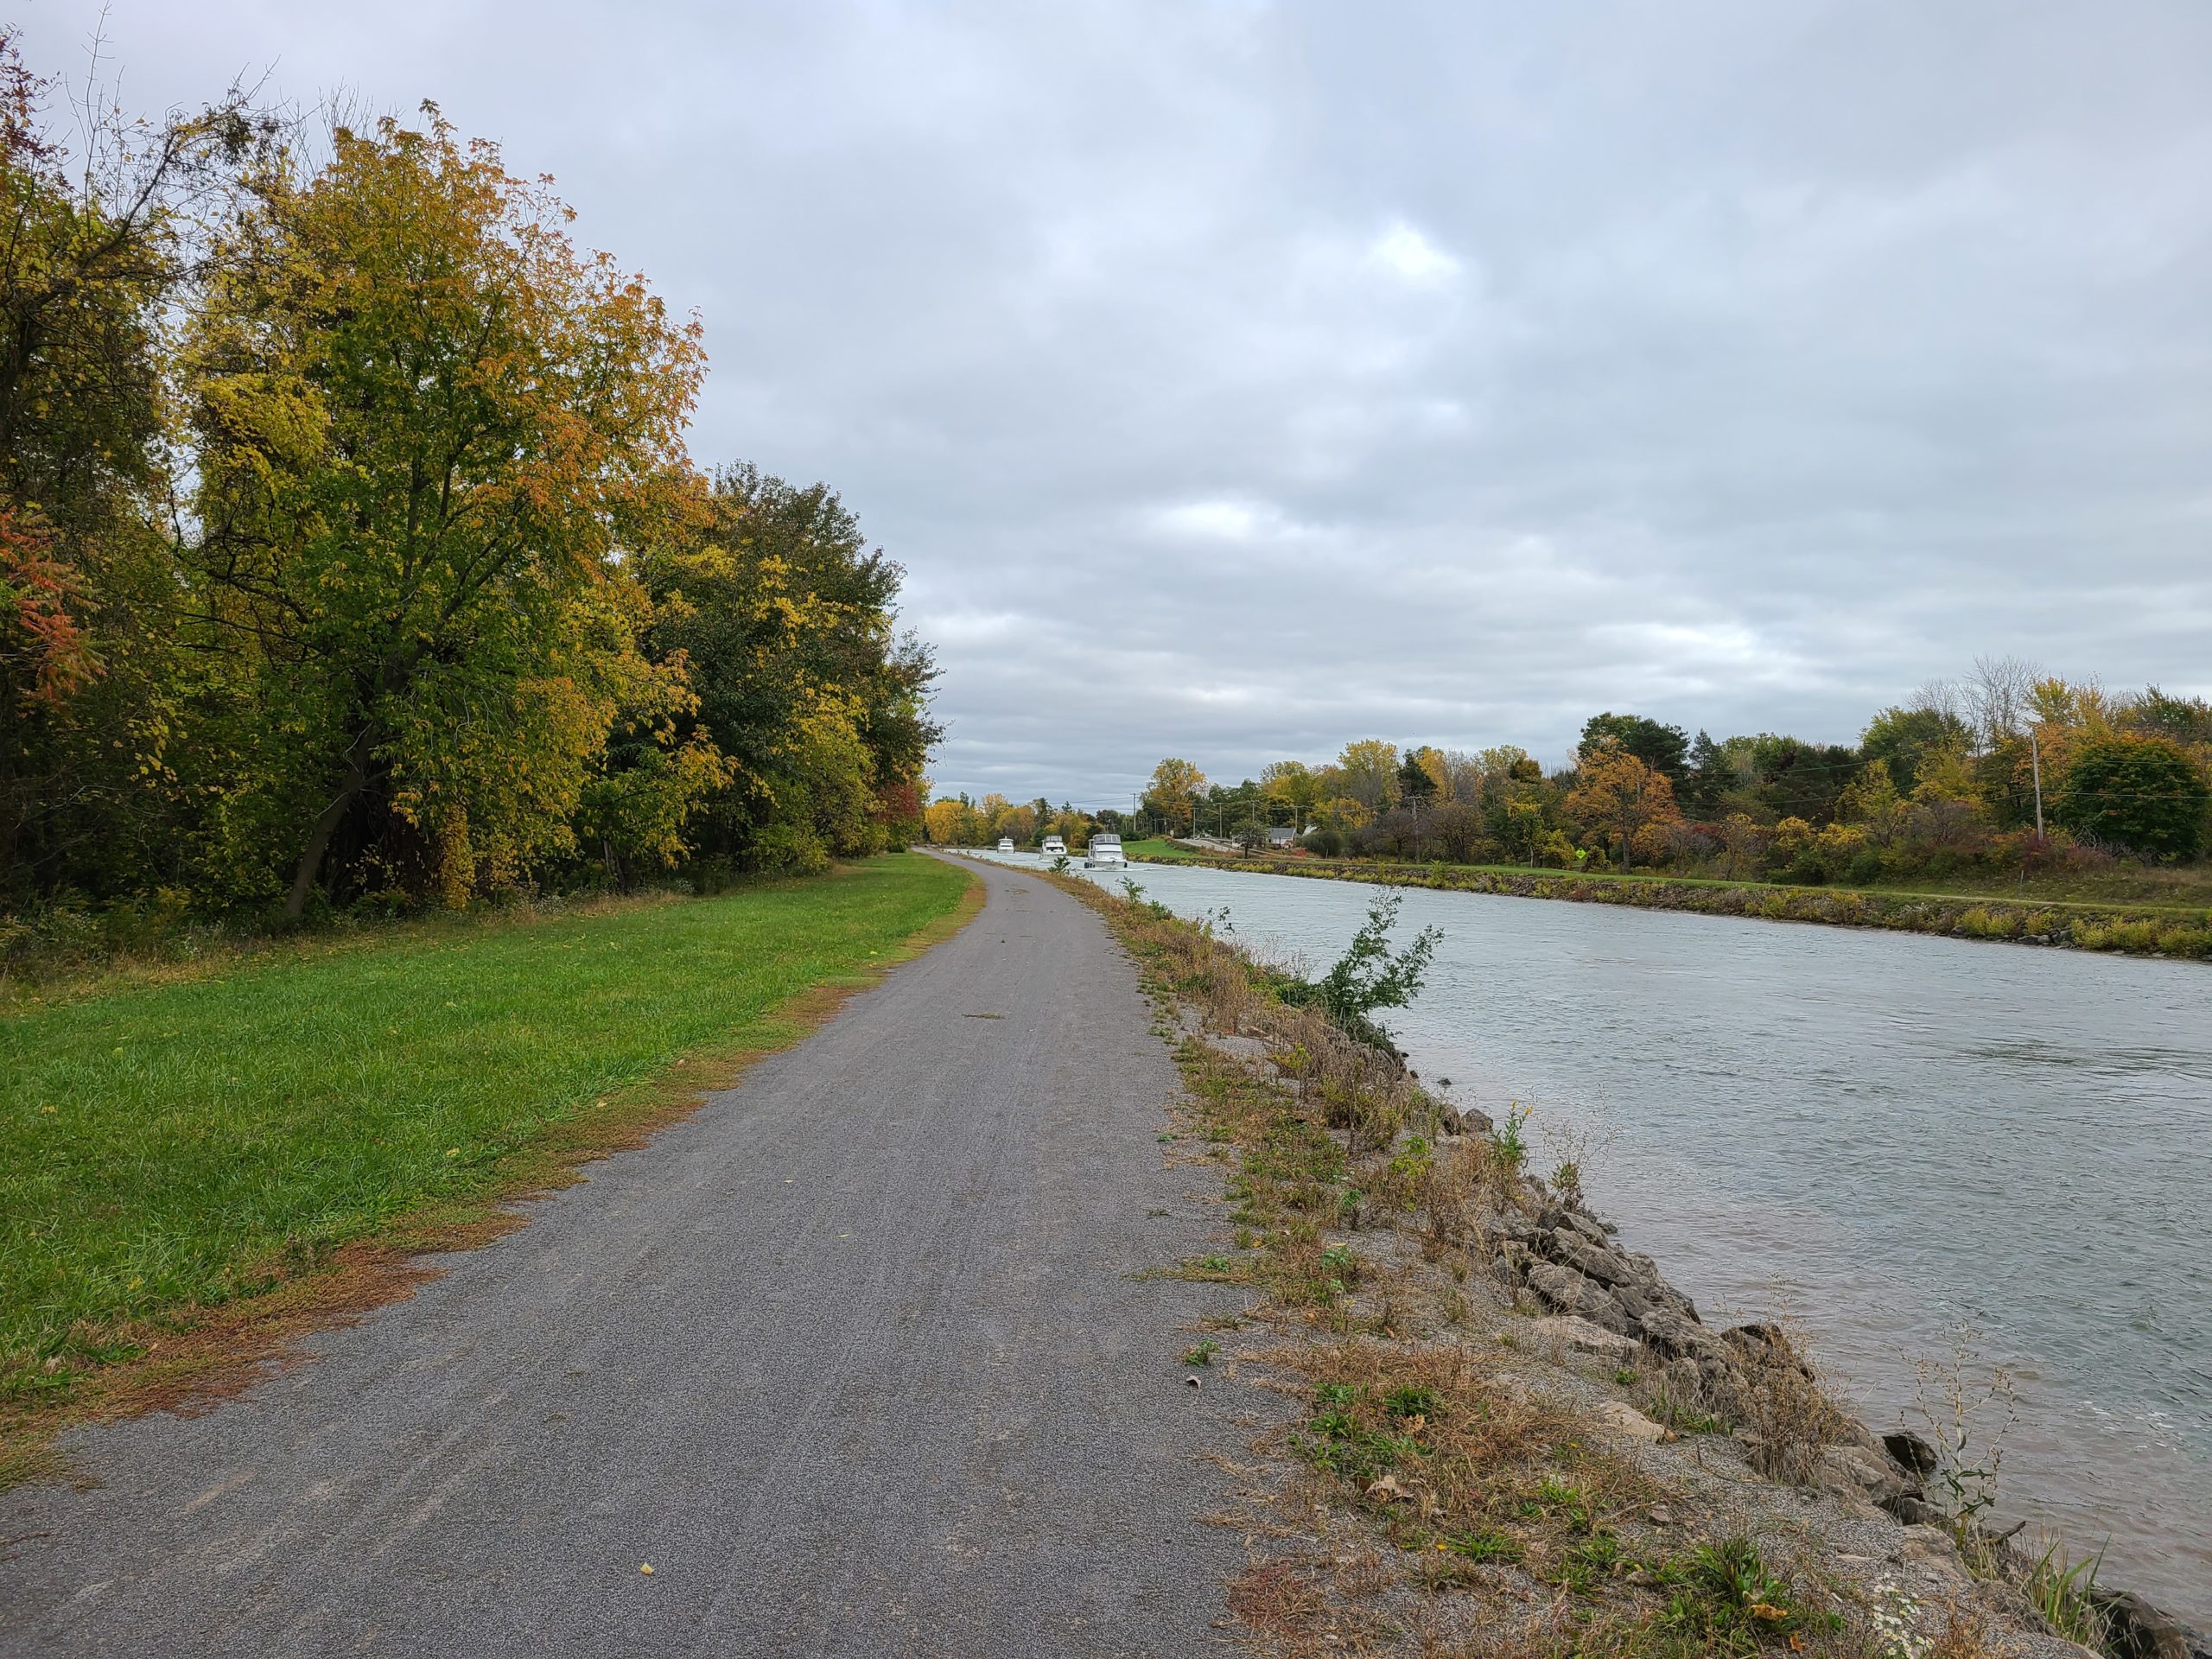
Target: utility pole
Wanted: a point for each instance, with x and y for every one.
(2035, 761)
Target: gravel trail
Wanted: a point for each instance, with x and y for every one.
(856, 1359)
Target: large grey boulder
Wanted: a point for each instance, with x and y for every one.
(1677, 1337)
(1570, 1293)
(1854, 1471)
(1590, 1261)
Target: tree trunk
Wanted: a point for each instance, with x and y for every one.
(326, 824)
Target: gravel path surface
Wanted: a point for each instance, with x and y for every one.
(855, 1359)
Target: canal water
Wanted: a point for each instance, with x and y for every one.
(1890, 1137)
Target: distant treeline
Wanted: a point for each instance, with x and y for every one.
(1952, 780)
(350, 555)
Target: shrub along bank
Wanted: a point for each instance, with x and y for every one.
(169, 1149)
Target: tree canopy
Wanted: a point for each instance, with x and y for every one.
(351, 552)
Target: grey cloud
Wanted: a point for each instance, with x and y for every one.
(1236, 379)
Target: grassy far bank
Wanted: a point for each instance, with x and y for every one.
(1158, 849)
(174, 1147)
(2187, 887)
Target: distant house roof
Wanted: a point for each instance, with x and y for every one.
(1283, 836)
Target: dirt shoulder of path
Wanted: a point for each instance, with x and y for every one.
(1495, 1454)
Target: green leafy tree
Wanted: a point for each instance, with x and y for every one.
(1294, 787)
(2142, 794)
(1520, 828)
(1904, 738)
(785, 621)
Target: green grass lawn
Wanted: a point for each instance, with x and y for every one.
(163, 1145)
(2128, 887)
(1157, 849)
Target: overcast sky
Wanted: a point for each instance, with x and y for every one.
(1235, 380)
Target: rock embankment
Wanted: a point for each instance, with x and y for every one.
(1570, 1262)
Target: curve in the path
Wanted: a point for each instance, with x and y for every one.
(857, 1359)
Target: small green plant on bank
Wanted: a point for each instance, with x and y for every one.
(1203, 1354)
(1510, 1140)
(1413, 1161)
(2066, 1595)
(1337, 1440)
(1955, 1397)
(1411, 1399)
(1725, 1589)
(1060, 865)
(1370, 976)
(1482, 1545)
(1158, 911)
(1567, 1182)
(1592, 1563)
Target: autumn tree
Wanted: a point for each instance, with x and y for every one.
(1294, 787)
(1664, 748)
(1368, 771)
(1415, 781)
(952, 822)
(1871, 799)
(428, 428)
(1435, 766)
(1176, 786)
(785, 620)
(94, 248)
(1616, 790)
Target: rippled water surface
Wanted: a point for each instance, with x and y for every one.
(1888, 1134)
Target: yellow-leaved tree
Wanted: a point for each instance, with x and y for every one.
(1368, 771)
(1176, 787)
(428, 429)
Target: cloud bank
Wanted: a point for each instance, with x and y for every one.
(1235, 380)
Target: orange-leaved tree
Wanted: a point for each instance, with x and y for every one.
(1615, 791)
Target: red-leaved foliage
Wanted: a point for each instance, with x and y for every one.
(42, 644)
